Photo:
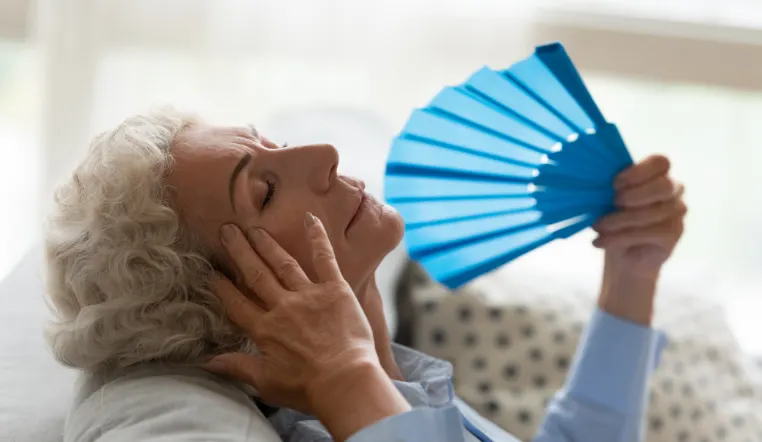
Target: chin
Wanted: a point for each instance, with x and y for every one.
(378, 239)
(393, 226)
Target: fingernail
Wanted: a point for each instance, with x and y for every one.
(309, 220)
(254, 234)
(228, 232)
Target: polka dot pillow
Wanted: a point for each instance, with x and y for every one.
(511, 347)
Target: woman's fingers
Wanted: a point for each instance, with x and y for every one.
(646, 170)
(326, 267)
(286, 269)
(664, 234)
(657, 190)
(641, 217)
(242, 367)
(257, 276)
(240, 309)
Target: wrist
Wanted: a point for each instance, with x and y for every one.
(626, 294)
(355, 395)
(372, 305)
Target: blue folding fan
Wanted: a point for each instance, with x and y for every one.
(502, 164)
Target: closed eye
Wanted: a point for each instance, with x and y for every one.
(269, 194)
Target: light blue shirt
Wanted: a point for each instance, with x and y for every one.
(604, 398)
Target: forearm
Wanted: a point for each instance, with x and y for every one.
(370, 300)
(627, 295)
(356, 397)
(605, 395)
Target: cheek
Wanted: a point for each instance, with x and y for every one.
(291, 235)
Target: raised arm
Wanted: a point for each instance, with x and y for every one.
(605, 396)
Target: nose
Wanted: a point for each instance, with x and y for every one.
(320, 162)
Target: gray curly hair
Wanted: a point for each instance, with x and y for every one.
(126, 280)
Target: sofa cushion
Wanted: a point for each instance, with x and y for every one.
(35, 391)
(511, 342)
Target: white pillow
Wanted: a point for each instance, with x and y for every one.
(511, 344)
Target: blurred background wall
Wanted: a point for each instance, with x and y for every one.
(681, 77)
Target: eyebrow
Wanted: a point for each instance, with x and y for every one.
(233, 176)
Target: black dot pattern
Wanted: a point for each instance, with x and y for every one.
(525, 416)
(465, 313)
(430, 306)
(502, 340)
(511, 371)
(511, 360)
(438, 337)
(479, 363)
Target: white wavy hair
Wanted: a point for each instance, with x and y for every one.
(126, 281)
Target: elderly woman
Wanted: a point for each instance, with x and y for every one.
(212, 285)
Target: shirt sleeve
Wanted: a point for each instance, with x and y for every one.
(605, 396)
(419, 424)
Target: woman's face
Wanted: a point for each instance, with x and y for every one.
(233, 175)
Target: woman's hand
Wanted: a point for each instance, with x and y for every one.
(644, 232)
(372, 305)
(639, 238)
(316, 349)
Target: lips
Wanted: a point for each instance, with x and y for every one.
(362, 201)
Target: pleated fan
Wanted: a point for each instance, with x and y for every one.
(501, 164)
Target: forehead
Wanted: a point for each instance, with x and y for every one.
(215, 138)
(203, 160)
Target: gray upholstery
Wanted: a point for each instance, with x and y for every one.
(35, 390)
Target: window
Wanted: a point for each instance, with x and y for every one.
(19, 153)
